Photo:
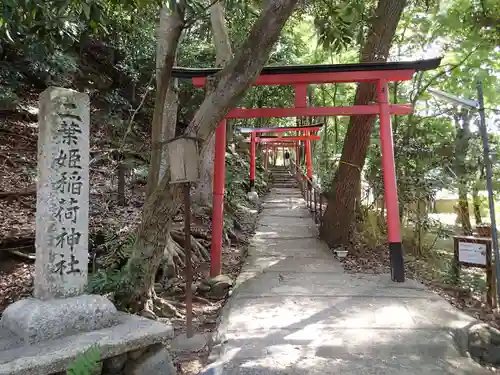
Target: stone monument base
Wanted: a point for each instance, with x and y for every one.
(34, 342)
(34, 320)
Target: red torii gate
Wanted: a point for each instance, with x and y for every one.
(300, 77)
(282, 141)
(292, 140)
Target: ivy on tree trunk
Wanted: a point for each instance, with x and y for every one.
(340, 213)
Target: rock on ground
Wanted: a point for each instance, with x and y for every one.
(156, 361)
(192, 344)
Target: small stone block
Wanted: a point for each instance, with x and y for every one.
(54, 356)
(34, 320)
(156, 361)
(114, 365)
(136, 354)
(193, 344)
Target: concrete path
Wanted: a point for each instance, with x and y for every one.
(295, 311)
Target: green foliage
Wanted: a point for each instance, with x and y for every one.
(339, 25)
(114, 283)
(237, 178)
(86, 363)
(113, 278)
(118, 248)
(8, 98)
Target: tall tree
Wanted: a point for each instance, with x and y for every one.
(230, 84)
(169, 120)
(339, 215)
(462, 142)
(169, 33)
(223, 55)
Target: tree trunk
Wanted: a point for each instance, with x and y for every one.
(164, 202)
(173, 29)
(462, 141)
(340, 212)
(476, 201)
(463, 211)
(169, 120)
(223, 53)
(169, 117)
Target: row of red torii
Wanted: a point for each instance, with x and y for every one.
(270, 144)
(300, 77)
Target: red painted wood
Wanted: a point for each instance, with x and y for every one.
(317, 78)
(301, 96)
(299, 138)
(252, 158)
(309, 167)
(287, 129)
(301, 103)
(266, 157)
(387, 146)
(372, 109)
(218, 200)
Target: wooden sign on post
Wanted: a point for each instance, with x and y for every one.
(476, 252)
(184, 160)
(184, 168)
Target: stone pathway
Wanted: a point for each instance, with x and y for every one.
(295, 311)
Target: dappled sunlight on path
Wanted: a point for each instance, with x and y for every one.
(295, 311)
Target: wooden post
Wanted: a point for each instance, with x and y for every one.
(184, 150)
(315, 206)
(455, 267)
(320, 206)
(253, 156)
(189, 266)
(475, 252)
(390, 185)
(219, 184)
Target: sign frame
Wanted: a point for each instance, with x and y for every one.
(488, 267)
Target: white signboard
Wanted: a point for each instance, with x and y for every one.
(474, 253)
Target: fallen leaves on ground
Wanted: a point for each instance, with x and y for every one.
(16, 282)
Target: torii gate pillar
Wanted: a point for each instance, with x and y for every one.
(390, 185)
(218, 199)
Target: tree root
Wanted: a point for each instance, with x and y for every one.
(166, 309)
(22, 255)
(195, 299)
(198, 250)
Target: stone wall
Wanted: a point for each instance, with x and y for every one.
(132, 347)
(154, 359)
(484, 344)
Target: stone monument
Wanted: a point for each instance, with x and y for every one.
(62, 212)
(42, 335)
